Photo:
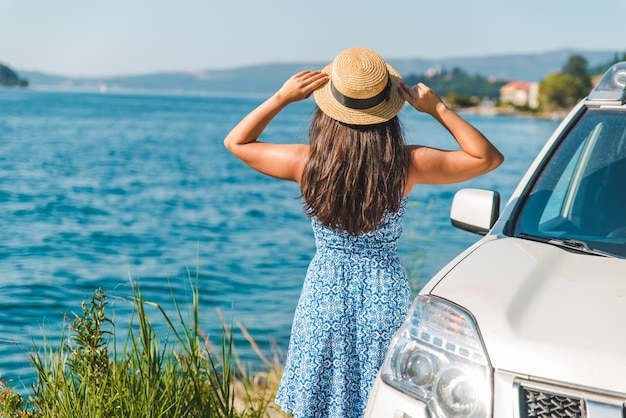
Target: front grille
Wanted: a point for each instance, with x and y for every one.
(542, 404)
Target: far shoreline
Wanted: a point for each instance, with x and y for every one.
(555, 115)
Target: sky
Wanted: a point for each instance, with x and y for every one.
(125, 37)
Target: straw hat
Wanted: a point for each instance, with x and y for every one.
(362, 89)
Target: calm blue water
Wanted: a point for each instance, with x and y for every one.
(97, 190)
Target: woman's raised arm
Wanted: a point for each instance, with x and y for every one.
(283, 161)
(435, 166)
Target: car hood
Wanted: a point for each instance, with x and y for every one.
(545, 312)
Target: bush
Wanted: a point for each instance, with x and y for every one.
(183, 375)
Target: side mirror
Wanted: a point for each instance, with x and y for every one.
(475, 210)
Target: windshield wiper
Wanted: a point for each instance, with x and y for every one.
(568, 244)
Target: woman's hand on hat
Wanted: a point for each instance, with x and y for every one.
(301, 85)
(421, 97)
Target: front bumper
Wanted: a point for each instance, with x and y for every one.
(511, 400)
(387, 402)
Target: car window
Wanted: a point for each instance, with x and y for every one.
(581, 191)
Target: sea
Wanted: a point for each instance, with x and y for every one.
(123, 189)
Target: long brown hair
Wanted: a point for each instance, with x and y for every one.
(355, 174)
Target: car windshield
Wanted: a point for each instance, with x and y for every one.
(580, 196)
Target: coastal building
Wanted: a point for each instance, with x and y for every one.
(520, 93)
(433, 71)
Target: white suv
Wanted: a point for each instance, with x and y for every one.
(531, 320)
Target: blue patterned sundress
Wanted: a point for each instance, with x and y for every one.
(354, 298)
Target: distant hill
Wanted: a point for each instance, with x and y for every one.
(8, 77)
(266, 78)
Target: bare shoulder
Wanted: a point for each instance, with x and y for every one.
(425, 165)
(283, 161)
(303, 154)
(420, 156)
(413, 176)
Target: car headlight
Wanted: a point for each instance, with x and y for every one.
(438, 357)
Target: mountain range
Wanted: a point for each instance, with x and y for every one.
(266, 78)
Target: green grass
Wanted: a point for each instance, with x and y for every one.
(90, 373)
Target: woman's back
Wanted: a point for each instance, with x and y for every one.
(354, 175)
(383, 240)
(355, 295)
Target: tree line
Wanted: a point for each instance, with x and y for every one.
(458, 87)
(557, 91)
(563, 89)
(8, 77)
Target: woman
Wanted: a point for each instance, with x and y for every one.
(355, 176)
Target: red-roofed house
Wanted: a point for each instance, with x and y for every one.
(520, 93)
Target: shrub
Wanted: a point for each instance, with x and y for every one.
(182, 375)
